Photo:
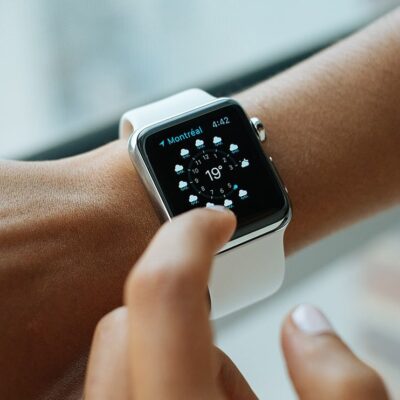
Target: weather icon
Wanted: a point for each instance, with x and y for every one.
(233, 148)
(245, 163)
(199, 143)
(178, 168)
(182, 185)
(228, 203)
(217, 140)
(242, 193)
(209, 204)
(184, 152)
(193, 199)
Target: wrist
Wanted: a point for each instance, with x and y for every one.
(123, 198)
(72, 229)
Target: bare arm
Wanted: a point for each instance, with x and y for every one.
(334, 124)
(71, 229)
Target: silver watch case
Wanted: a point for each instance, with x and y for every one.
(162, 211)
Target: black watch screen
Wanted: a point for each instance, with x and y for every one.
(213, 157)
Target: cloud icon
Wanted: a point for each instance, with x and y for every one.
(245, 163)
(233, 147)
(193, 198)
(217, 140)
(182, 184)
(242, 193)
(227, 203)
(210, 204)
(184, 152)
(178, 168)
(199, 143)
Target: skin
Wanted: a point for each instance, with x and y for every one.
(159, 345)
(70, 230)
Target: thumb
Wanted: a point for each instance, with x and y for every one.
(320, 365)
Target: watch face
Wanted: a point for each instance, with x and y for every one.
(210, 157)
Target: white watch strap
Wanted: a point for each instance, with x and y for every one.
(247, 273)
(242, 275)
(162, 109)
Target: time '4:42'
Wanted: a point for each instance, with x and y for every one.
(220, 122)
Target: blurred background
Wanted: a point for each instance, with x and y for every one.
(69, 69)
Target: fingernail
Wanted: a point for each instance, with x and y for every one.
(217, 208)
(310, 320)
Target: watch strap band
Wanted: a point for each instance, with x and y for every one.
(235, 281)
(247, 273)
(162, 109)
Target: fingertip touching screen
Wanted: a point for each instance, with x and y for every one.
(213, 157)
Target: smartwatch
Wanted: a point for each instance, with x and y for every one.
(195, 150)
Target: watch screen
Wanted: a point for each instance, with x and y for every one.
(214, 157)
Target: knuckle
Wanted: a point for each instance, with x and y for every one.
(109, 321)
(160, 281)
(161, 274)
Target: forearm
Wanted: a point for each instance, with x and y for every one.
(334, 131)
(69, 233)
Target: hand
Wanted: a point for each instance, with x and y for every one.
(159, 345)
(320, 364)
(65, 225)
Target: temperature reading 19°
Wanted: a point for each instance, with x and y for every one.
(214, 173)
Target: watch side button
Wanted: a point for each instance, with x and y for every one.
(259, 129)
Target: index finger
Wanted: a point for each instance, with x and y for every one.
(170, 344)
